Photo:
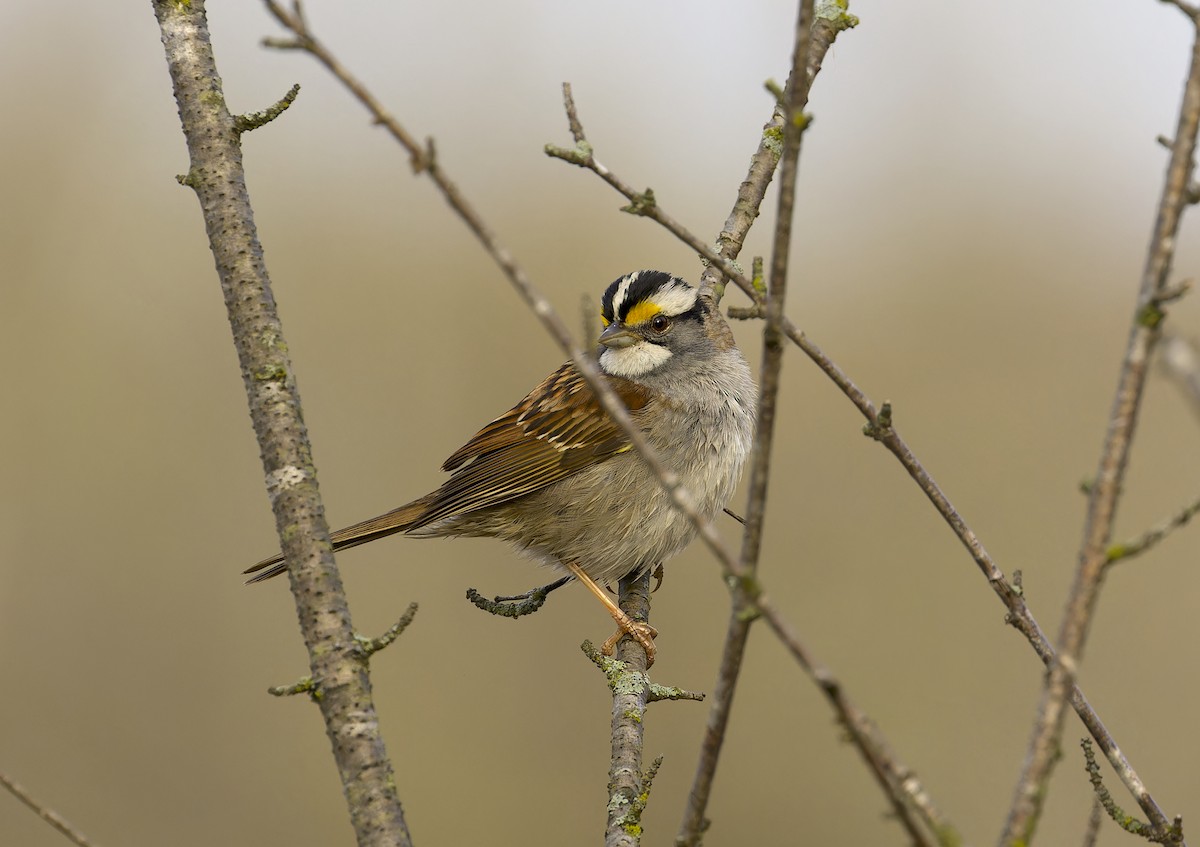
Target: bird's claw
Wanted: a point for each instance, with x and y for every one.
(641, 632)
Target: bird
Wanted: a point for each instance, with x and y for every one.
(558, 479)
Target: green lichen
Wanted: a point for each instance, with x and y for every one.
(642, 204)
(213, 98)
(270, 372)
(1151, 315)
(773, 139)
(834, 11)
(627, 683)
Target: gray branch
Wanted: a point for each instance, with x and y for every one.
(337, 661)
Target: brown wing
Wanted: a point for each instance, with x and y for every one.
(557, 430)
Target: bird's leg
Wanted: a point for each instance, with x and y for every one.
(640, 631)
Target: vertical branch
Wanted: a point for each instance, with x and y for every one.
(338, 665)
(630, 693)
(737, 633)
(1114, 456)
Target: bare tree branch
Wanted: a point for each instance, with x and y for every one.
(336, 660)
(1146, 329)
(910, 801)
(630, 688)
(1151, 537)
(45, 812)
(794, 122)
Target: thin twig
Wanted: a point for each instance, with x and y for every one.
(304, 685)
(925, 823)
(371, 646)
(1145, 332)
(254, 120)
(45, 812)
(516, 605)
(217, 176)
(588, 319)
(1151, 537)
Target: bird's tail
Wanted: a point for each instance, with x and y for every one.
(397, 520)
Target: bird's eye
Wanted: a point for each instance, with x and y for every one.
(660, 323)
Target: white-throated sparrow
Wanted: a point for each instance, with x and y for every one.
(557, 478)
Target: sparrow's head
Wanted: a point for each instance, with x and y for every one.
(652, 321)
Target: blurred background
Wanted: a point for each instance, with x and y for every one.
(977, 193)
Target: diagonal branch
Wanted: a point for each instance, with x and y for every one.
(338, 666)
(47, 814)
(911, 803)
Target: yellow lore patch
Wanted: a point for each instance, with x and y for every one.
(641, 312)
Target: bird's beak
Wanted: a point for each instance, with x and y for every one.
(616, 336)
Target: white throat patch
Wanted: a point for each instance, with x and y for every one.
(635, 361)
